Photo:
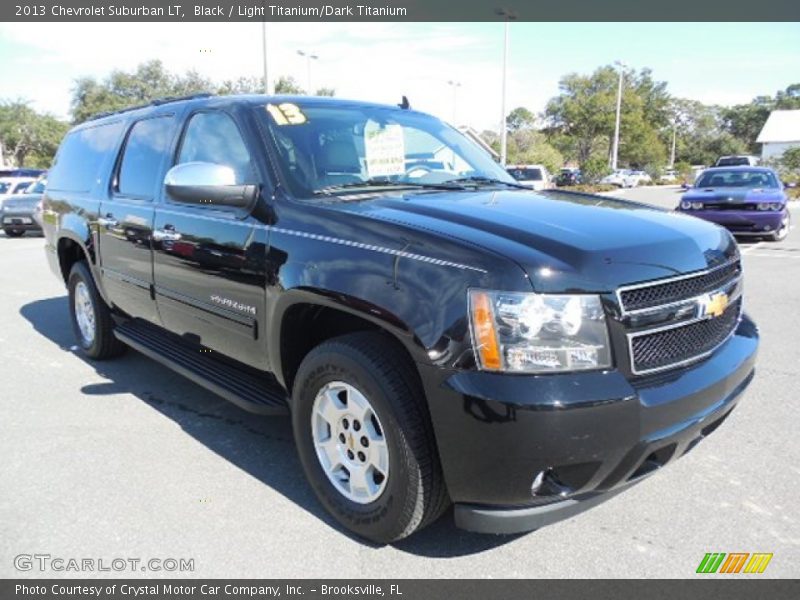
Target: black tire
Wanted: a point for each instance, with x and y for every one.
(103, 344)
(415, 494)
(783, 230)
(14, 232)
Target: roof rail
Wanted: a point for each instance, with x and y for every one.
(155, 102)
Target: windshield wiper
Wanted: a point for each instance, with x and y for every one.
(383, 183)
(480, 180)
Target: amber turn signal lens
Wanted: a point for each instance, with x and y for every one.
(484, 330)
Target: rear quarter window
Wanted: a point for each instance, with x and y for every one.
(81, 155)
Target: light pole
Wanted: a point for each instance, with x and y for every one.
(674, 143)
(455, 85)
(507, 16)
(264, 53)
(615, 147)
(309, 58)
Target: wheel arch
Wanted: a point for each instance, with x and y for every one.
(306, 319)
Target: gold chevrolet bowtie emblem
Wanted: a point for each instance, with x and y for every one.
(715, 304)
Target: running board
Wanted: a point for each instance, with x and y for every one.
(249, 389)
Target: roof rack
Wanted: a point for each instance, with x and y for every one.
(155, 102)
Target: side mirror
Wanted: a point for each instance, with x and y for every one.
(208, 184)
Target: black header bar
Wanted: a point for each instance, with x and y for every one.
(399, 10)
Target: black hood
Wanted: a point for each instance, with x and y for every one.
(564, 241)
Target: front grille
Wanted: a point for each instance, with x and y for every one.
(730, 206)
(668, 347)
(657, 294)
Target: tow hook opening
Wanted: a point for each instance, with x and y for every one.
(546, 484)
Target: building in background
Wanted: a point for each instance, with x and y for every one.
(780, 132)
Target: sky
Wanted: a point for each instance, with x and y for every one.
(721, 63)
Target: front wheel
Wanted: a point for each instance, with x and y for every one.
(364, 436)
(91, 317)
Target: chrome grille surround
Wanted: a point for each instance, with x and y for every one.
(656, 346)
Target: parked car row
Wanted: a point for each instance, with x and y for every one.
(21, 210)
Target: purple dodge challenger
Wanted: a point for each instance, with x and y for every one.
(746, 200)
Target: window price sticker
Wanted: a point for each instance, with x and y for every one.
(385, 150)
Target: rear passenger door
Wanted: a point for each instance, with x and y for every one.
(125, 223)
(209, 261)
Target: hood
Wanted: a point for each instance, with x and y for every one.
(21, 201)
(734, 195)
(563, 241)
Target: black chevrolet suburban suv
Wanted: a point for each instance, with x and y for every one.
(439, 334)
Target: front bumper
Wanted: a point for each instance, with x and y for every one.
(581, 437)
(20, 221)
(742, 222)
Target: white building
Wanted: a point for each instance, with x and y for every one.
(780, 132)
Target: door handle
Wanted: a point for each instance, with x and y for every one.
(168, 234)
(108, 221)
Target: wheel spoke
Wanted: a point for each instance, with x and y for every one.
(328, 408)
(359, 485)
(331, 453)
(358, 405)
(379, 456)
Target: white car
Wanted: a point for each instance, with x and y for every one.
(618, 178)
(746, 160)
(14, 185)
(627, 178)
(533, 176)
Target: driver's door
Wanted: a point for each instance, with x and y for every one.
(209, 260)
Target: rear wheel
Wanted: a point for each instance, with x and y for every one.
(91, 317)
(14, 232)
(783, 228)
(364, 436)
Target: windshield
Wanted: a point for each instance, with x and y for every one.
(738, 178)
(37, 187)
(322, 148)
(733, 161)
(524, 174)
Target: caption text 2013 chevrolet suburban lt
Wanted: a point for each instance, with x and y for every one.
(439, 334)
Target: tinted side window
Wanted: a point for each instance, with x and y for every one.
(213, 137)
(143, 156)
(79, 158)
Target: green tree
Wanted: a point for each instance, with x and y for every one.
(242, 85)
(286, 84)
(791, 160)
(29, 139)
(326, 91)
(520, 118)
(122, 89)
(530, 147)
(594, 169)
(581, 119)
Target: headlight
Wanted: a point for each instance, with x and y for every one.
(697, 205)
(775, 206)
(538, 333)
(686, 205)
(763, 206)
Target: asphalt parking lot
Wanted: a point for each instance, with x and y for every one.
(126, 459)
